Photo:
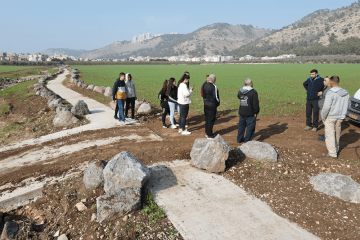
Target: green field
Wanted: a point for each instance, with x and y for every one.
(12, 71)
(279, 85)
(12, 68)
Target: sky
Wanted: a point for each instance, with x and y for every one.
(32, 26)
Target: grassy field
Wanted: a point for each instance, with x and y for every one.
(12, 68)
(17, 72)
(279, 85)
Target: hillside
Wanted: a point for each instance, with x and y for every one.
(219, 38)
(64, 51)
(320, 28)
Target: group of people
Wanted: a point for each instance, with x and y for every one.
(324, 97)
(327, 98)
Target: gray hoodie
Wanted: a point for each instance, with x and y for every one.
(130, 87)
(336, 103)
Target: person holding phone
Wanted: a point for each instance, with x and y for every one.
(184, 99)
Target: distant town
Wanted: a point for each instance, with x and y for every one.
(38, 57)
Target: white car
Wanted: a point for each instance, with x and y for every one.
(354, 108)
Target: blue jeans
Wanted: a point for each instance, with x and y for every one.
(172, 107)
(249, 123)
(120, 103)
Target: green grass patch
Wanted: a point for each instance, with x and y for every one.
(5, 109)
(279, 85)
(52, 70)
(20, 91)
(16, 72)
(13, 68)
(151, 209)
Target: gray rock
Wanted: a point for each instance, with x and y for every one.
(210, 154)
(124, 171)
(64, 118)
(90, 87)
(259, 150)
(38, 93)
(98, 89)
(84, 85)
(138, 103)
(11, 229)
(108, 91)
(55, 103)
(62, 108)
(93, 175)
(79, 83)
(80, 108)
(46, 93)
(338, 185)
(62, 237)
(115, 204)
(144, 108)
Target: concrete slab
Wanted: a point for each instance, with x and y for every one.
(208, 206)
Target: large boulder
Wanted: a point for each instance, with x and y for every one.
(108, 91)
(259, 150)
(79, 83)
(115, 204)
(84, 85)
(55, 102)
(90, 87)
(80, 108)
(124, 171)
(11, 229)
(64, 118)
(46, 93)
(93, 175)
(210, 154)
(62, 108)
(144, 108)
(338, 185)
(138, 102)
(98, 89)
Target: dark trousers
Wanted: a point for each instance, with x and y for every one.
(116, 109)
(184, 110)
(210, 116)
(165, 111)
(249, 123)
(312, 107)
(130, 101)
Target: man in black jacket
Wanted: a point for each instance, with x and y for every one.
(248, 111)
(212, 101)
(313, 85)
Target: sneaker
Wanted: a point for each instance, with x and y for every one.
(321, 135)
(307, 128)
(180, 130)
(321, 139)
(206, 136)
(186, 132)
(176, 124)
(186, 126)
(127, 122)
(173, 126)
(116, 117)
(165, 126)
(314, 129)
(327, 155)
(210, 137)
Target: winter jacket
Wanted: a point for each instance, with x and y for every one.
(313, 87)
(184, 94)
(173, 95)
(249, 102)
(163, 99)
(336, 103)
(211, 95)
(202, 89)
(119, 90)
(322, 97)
(130, 89)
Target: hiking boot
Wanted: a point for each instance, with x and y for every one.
(307, 128)
(327, 155)
(314, 129)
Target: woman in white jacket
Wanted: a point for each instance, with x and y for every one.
(184, 99)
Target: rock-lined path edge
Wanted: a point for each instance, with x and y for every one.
(207, 206)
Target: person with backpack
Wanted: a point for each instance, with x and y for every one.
(248, 111)
(119, 96)
(212, 101)
(164, 97)
(173, 104)
(130, 95)
(184, 99)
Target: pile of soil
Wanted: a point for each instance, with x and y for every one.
(56, 212)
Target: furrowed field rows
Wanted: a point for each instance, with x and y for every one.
(279, 86)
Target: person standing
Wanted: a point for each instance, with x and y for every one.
(184, 99)
(202, 87)
(322, 95)
(172, 93)
(119, 95)
(313, 85)
(248, 111)
(212, 101)
(130, 95)
(164, 102)
(334, 111)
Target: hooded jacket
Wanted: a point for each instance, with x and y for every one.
(130, 87)
(173, 95)
(163, 99)
(211, 95)
(313, 87)
(184, 94)
(119, 90)
(249, 102)
(336, 103)
(322, 97)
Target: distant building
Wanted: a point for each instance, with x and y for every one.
(38, 57)
(13, 57)
(148, 35)
(3, 55)
(135, 38)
